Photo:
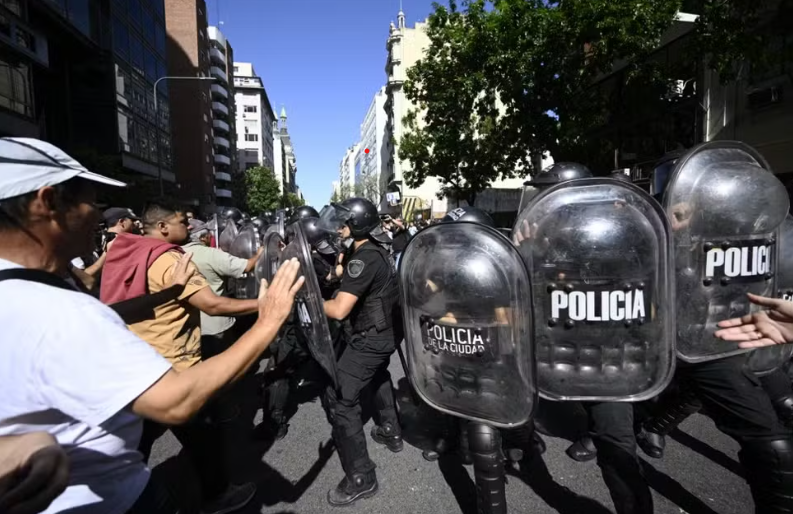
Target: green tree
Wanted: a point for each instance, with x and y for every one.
(262, 191)
(292, 200)
(506, 81)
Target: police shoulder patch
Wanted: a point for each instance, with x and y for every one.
(355, 268)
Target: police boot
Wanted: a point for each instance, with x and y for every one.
(784, 410)
(351, 489)
(652, 435)
(278, 425)
(389, 436)
(489, 474)
(769, 471)
(582, 450)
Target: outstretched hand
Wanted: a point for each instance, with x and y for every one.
(182, 271)
(277, 299)
(764, 328)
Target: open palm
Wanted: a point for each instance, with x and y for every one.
(765, 328)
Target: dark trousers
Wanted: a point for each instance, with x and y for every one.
(363, 366)
(733, 397)
(288, 356)
(611, 429)
(154, 499)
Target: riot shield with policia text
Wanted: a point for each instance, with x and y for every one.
(726, 209)
(309, 305)
(468, 323)
(598, 250)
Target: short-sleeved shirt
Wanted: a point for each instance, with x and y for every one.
(70, 367)
(175, 329)
(365, 272)
(216, 266)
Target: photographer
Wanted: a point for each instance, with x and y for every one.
(399, 234)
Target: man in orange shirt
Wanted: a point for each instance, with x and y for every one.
(173, 328)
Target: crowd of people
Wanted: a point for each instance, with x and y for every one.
(141, 336)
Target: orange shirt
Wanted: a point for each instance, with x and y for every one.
(175, 329)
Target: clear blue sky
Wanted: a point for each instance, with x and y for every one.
(321, 59)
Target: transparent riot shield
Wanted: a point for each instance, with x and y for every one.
(764, 361)
(277, 227)
(270, 259)
(468, 323)
(213, 226)
(309, 304)
(599, 254)
(245, 246)
(227, 234)
(726, 209)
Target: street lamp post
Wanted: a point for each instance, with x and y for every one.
(157, 120)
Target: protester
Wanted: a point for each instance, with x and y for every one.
(81, 375)
(137, 265)
(763, 328)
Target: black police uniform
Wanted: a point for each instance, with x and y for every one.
(374, 331)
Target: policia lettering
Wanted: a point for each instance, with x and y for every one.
(617, 305)
(454, 339)
(739, 261)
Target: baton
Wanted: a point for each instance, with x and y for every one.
(413, 394)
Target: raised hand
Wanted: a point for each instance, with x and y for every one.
(277, 299)
(764, 328)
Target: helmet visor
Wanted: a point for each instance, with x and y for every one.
(333, 217)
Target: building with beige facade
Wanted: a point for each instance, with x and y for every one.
(406, 45)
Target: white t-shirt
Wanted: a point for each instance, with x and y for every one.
(70, 366)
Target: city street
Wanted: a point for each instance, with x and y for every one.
(699, 474)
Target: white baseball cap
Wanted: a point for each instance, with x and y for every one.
(28, 164)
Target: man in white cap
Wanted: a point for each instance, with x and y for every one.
(68, 364)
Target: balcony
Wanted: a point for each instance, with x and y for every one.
(222, 141)
(222, 175)
(221, 125)
(217, 56)
(219, 74)
(223, 193)
(219, 107)
(216, 35)
(219, 90)
(222, 159)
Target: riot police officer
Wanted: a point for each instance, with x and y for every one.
(710, 194)
(611, 434)
(291, 365)
(368, 301)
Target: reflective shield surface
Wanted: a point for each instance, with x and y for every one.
(309, 304)
(245, 246)
(270, 259)
(766, 360)
(227, 234)
(468, 323)
(726, 209)
(599, 254)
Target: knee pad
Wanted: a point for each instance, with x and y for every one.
(483, 439)
(769, 466)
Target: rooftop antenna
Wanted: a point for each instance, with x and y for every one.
(217, 11)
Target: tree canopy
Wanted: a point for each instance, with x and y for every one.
(262, 191)
(507, 81)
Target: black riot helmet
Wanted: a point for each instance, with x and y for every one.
(268, 217)
(303, 212)
(245, 216)
(557, 173)
(320, 240)
(469, 213)
(357, 213)
(231, 213)
(662, 172)
(620, 175)
(259, 223)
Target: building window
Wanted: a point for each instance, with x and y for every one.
(151, 65)
(251, 137)
(15, 6)
(134, 12)
(159, 36)
(15, 88)
(149, 28)
(251, 108)
(121, 39)
(136, 54)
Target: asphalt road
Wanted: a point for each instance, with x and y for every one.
(698, 475)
